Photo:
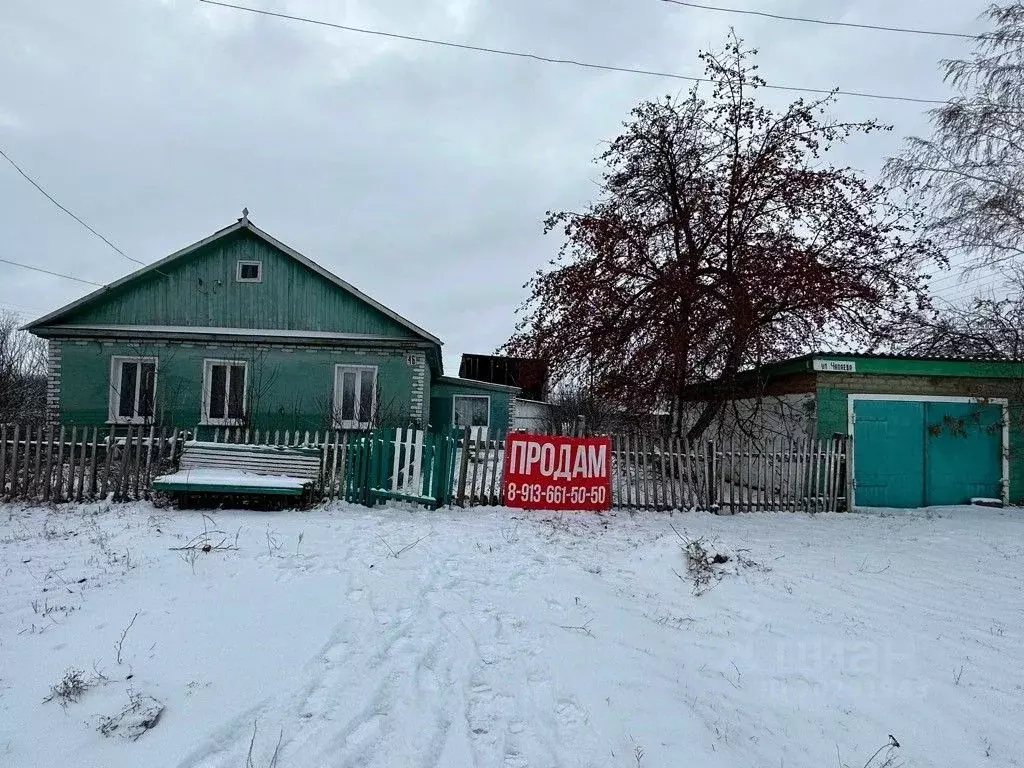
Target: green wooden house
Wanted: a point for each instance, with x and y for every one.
(239, 329)
(925, 431)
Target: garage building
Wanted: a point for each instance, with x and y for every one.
(926, 431)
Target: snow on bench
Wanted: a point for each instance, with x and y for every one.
(226, 481)
(243, 469)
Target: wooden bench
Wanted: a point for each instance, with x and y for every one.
(250, 470)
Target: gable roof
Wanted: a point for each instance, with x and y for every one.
(240, 225)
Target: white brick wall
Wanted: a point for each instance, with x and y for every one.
(418, 408)
(54, 353)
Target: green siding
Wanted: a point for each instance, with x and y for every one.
(288, 389)
(833, 416)
(974, 369)
(200, 290)
(441, 405)
(887, 366)
(440, 410)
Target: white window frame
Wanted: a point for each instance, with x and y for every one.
(207, 420)
(238, 272)
(473, 397)
(114, 400)
(340, 423)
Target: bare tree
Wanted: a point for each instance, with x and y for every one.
(971, 171)
(262, 384)
(22, 373)
(984, 326)
(574, 401)
(387, 413)
(721, 240)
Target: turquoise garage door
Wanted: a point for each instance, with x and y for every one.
(916, 454)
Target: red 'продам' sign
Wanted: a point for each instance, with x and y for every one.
(560, 473)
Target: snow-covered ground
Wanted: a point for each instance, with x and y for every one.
(492, 637)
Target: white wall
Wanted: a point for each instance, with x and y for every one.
(531, 415)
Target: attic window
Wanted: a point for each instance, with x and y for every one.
(249, 272)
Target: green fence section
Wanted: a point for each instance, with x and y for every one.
(396, 464)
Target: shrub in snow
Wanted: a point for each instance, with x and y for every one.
(704, 565)
(74, 685)
(70, 688)
(701, 565)
(142, 713)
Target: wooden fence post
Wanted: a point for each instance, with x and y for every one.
(71, 463)
(460, 497)
(3, 460)
(36, 479)
(91, 489)
(135, 466)
(26, 475)
(82, 464)
(48, 478)
(712, 475)
(499, 466)
(14, 461)
(848, 476)
(483, 470)
(121, 484)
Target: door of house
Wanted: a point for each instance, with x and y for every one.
(915, 453)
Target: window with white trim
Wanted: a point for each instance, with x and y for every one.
(132, 390)
(355, 396)
(249, 272)
(225, 388)
(471, 411)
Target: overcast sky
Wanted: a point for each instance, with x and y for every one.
(417, 173)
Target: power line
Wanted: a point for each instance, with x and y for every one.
(979, 290)
(552, 60)
(963, 279)
(48, 272)
(826, 22)
(956, 281)
(50, 197)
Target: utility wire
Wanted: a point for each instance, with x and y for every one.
(50, 197)
(827, 22)
(978, 290)
(48, 272)
(956, 281)
(551, 60)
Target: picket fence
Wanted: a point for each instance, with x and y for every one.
(665, 474)
(56, 464)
